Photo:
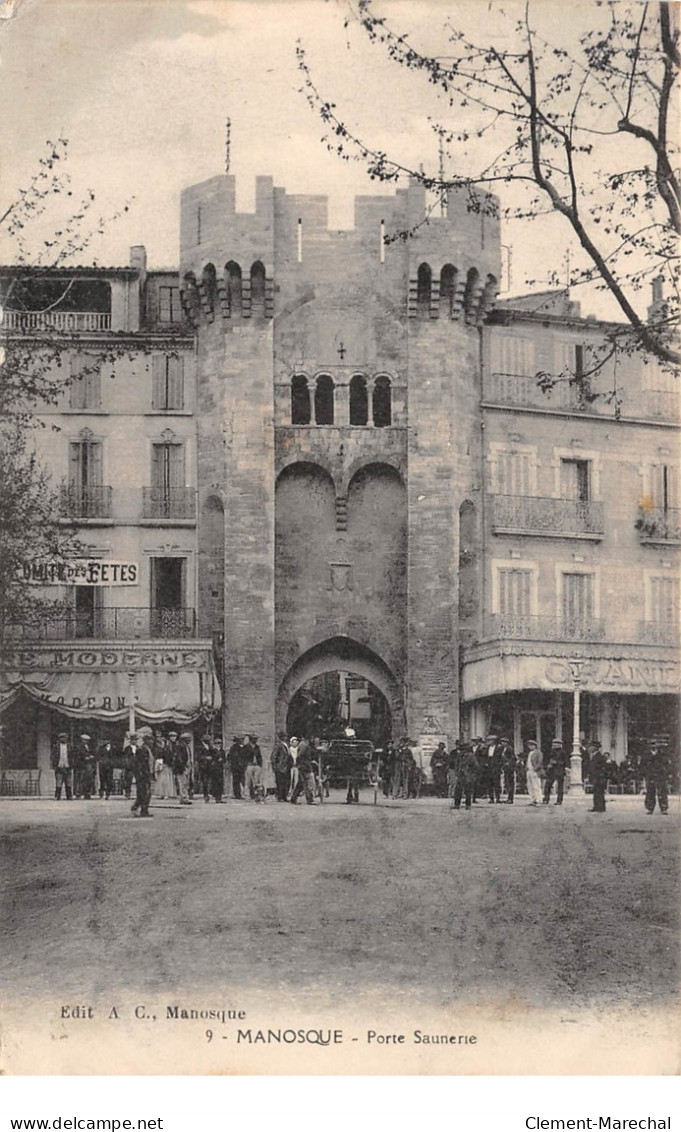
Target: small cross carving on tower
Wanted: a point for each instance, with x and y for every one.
(341, 351)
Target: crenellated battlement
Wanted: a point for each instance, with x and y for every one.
(249, 265)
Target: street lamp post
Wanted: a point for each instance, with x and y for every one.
(576, 783)
(131, 703)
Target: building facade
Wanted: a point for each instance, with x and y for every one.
(331, 453)
(120, 442)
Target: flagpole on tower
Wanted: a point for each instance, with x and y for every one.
(228, 143)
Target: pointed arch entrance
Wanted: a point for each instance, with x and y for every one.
(358, 662)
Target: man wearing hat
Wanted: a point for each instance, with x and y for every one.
(598, 776)
(281, 763)
(252, 762)
(85, 768)
(656, 771)
(217, 770)
(235, 764)
(509, 765)
(181, 768)
(465, 767)
(144, 773)
(555, 772)
(535, 770)
(62, 765)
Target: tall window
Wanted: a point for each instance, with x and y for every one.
(168, 492)
(664, 600)
(575, 480)
(167, 382)
(323, 400)
(578, 600)
(300, 400)
(168, 581)
(514, 591)
(513, 472)
(87, 608)
(381, 406)
(85, 388)
(664, 487)
(359, 401)
(86, 495)
(169, 307)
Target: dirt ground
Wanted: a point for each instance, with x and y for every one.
(550, 904)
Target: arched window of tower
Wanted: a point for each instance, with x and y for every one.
(233, 285)
(448, 290)
(209, 288)
(359, 400)
(424, 285)
(300, 400)
(323, 400)
(381, 402)
(471, 295)
(258, 287)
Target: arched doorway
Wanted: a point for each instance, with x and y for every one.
(329, 703)
(339, 681)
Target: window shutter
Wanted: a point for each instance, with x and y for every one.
(514, 592)
(93, 391)
(664, 595)
(157, 451)
(94, 478)
(513, 473)
(175, 383)
(158, 382)
(176, 476)
(75, 466)
(577, 598)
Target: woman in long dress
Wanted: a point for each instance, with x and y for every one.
(534, 768)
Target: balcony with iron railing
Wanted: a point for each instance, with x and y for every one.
(550, 518)
(162, 505)
(83, 321)
(659, 633)
(659, 524)
(116, 623)
(86, 502)
(522, 627)
(523, 391)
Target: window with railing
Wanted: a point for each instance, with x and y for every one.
(577, 601)
(659, 517)
(168, 497)
(85, 496)
(662, 608)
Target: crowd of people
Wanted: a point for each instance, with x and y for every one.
(490, 769)
(164, 766)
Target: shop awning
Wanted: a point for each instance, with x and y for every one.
(181, 696)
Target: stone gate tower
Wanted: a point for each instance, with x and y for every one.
(339, 441)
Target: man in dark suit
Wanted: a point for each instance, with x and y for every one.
(235, 763)
(281, 763)
(62, 765)
(656, 771)
(138, 755)
(555, 772)
(465, 768)
(509, 766)
(105, 765)
(598, 775)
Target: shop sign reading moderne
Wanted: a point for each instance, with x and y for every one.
(80, 572)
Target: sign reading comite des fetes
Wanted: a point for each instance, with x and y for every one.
(79, 572)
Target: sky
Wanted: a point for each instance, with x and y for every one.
(142, 88)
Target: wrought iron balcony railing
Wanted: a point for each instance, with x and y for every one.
(86, 502)
(557, 517)
(116, 623)
(169, 503)
(659, 633)
(28, 321)
(659, 524)
(518, 389)
(520, 627)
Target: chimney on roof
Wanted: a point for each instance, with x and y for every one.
(138, 259)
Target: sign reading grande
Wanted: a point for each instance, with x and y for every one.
(601, 674)
(80, 572)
